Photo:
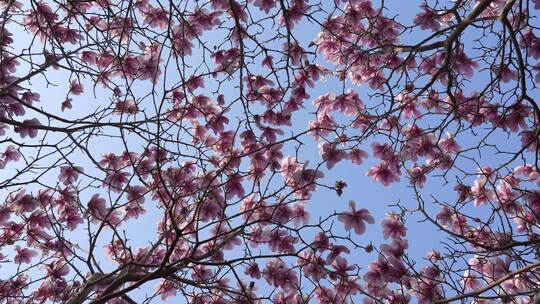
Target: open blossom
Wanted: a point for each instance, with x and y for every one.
(533, 201)
(265, 5)
(516, 116)
(277, 273)
(194, 83)
(356, 219)
(396, 249)
(335, 252)
(279, 240)
(24, 255)
(313, 265)
(11, 154)
(76, 88)
(110, 160)
(428, 19)
(22, 203)
(417, 175)
(69, 174)
(234, 186)
(126, 107)
(300, 214)
(384, 173)
(505, 73)
(331, 154)
(393, 227)
(304, 176)
(253, 271)
(166, 289)
(71, 217)
(57, 268)
(449, 144)
(156, 17)
(116, 180)
(357, 155)
(97, 207)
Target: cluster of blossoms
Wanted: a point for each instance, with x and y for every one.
(197, 120)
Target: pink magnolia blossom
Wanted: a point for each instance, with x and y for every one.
(253, 271)
(276, 273)
(11, 154)
(331, 154)
(24, 255)
(393, 227)
(28, 128)
(356, 219)
(97, 207)
(76, 88)
(417, 175)
(126, 107)
(68, 174)
(156, 17)
(384, 173)
(505, 73)
(428, 19)
(357, 156)
(265, 5)
(116, 180)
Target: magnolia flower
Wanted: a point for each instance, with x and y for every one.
(116, 180)
(265, 5)
(28, 128)
(76, 88)
(428, 19)
(393, 227)
(356, 219)
(331, 154)
(384, 173)
(24, 255)
(69, 174)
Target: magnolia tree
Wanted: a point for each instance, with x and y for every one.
(158, 150)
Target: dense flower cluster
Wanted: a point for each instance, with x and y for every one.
(178, 163)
